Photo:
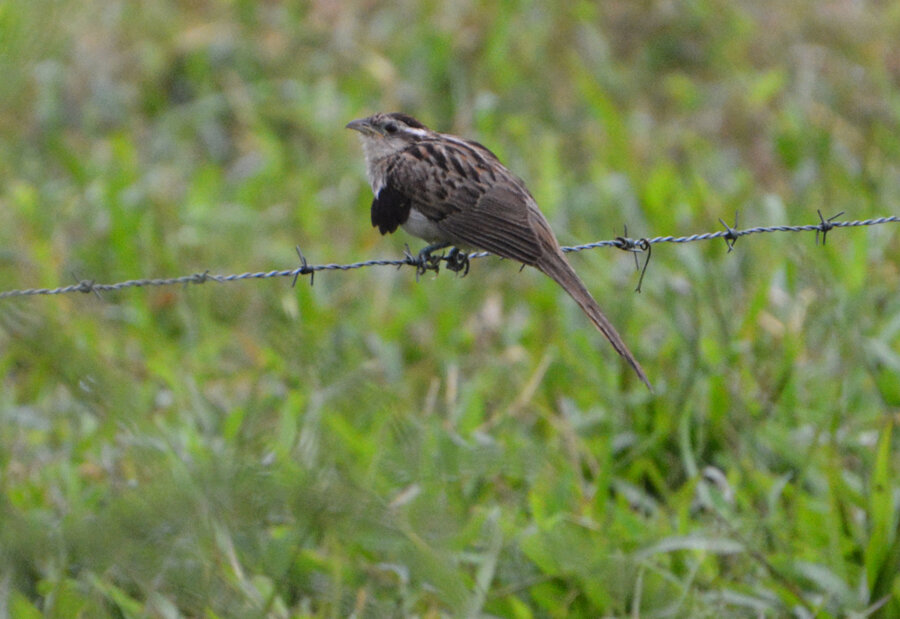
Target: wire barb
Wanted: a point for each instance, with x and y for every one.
(87, 286)
(303, 270)
(643, 245)
(197, 278)
(730, 234)
(635, 246)
(825, 225)
(417, 261)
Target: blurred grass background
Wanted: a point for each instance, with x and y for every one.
(378, 447)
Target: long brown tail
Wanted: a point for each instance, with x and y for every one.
(555, 265)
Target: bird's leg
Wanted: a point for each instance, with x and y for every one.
(425, 252)
(427, 262)
(458, 260)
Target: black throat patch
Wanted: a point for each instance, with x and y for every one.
(390, 209)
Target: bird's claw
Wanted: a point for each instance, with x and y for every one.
(424, 261)
(458, 261)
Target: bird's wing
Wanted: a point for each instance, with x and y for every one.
(499, 222)
(472, 198)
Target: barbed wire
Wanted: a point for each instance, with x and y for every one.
(423, 263)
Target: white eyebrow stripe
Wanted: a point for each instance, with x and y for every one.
(419, 133)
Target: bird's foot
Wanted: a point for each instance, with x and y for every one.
(424, 261)
(457, 261)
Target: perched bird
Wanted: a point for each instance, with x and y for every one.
(451, 191)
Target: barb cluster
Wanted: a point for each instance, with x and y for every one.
(640, 245)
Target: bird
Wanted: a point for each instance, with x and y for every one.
(454, 192)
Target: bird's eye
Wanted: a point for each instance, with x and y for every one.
(390, 128)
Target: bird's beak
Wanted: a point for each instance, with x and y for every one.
(362, 125)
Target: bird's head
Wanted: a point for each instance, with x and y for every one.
(384, 134)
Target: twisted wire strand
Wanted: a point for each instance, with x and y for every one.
(629, 244)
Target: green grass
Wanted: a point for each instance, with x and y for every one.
(378, 446)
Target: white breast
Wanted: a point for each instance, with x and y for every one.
(422, 227)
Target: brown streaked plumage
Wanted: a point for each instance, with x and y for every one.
(452, 191)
